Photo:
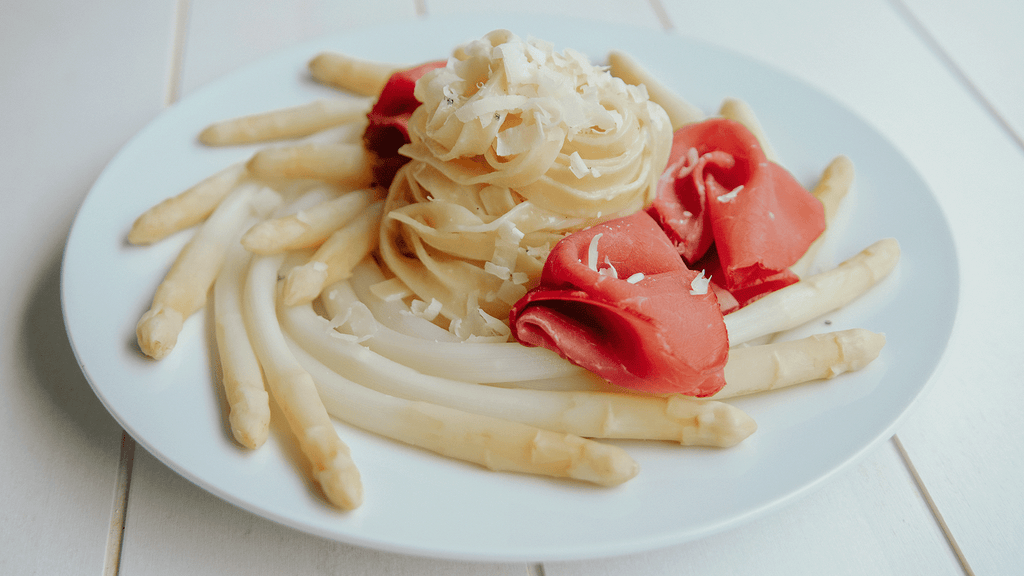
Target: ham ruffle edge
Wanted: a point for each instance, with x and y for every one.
(722, 210)
(631, 315)
(387, 129)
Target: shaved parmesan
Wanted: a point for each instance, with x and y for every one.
(577, 166)
(592, 252)
(391, 290)
(424, 310)
(500, 271)
(609, 270)
(730, 196)
(699, 285)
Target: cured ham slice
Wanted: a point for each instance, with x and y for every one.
(388, 127)
(732, 212)
(617, 299)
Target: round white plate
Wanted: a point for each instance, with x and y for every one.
(422, 504)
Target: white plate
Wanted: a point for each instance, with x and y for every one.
(422, 504)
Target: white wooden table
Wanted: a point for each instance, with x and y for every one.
(940, 79)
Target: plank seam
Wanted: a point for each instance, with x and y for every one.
(122, 485)
(939, 519)
(178, 38)
(918, 27)
(662, 14)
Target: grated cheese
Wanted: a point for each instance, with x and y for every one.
(511, 291)
(610, 270)
(699, 285)
(500, 271)
(730, 196)
(391, 290)
(592, 252)
(577, 166)
(424, 310)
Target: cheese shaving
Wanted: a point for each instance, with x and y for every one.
(730, 196)
(358, 322)
(699, 285)
(391, 290)
(499, 271)
(592, 252)
(424, 310)
(609, 270)
(577, 166)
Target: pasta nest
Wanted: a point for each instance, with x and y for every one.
(514, 146)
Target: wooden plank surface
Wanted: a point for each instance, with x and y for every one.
(982, 42)
(942, 81)
(174, 527)
(71, 96)
(868, 520)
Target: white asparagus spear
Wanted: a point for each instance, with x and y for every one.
(185, 288)
(740, 111)
(185, 209)
(295, 392)
(466, 361)
(248, 401)
(341, 163)
(335, 258)
(309, 227)
(781, 364)
(682, 419)
(834, 184)
(680, 112)
(811, 297)
(291, 122)
(365, 77)
(494, 443)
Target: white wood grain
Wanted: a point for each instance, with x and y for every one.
(868, 520)
(223, 35)
(964, 438)
(174, 528)
(982, 39)
(630, 12)
(71, 96)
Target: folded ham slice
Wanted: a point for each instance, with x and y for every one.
(388, 127)
(732, 212)
(617, 299)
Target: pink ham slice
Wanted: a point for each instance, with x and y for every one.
(634, 320)
(388, 127)
(732, 212)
